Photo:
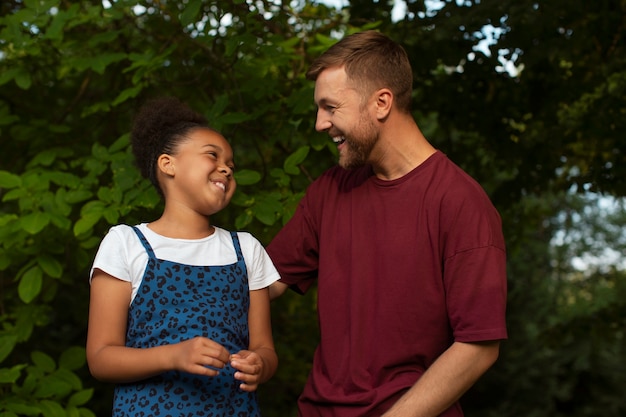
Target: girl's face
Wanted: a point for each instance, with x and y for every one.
(200, 173)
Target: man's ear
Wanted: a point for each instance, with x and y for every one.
(384, 101)
(165, 164)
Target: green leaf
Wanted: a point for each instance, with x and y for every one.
(52, 409)
(21, 409)
(76, 196)
(326, 41)
(247, 177)
(65, 179)
(241, 199)
(14, 194)
(23, 80)
(188, 16)
(43, 361)
(72, 358)
(84, 412)
(62, 222)
(8, 75)
(102, 38)
(266, 210)
(50, 265)
(120, 144)
(68, 377)
(127, 93)
(289, 43)
(301, 102)
(55, 30)
(7, 343)
(218, 107)
(244, 219)
(110, 194)
(95, 108)
(291, 163)
(86, 222)
(5, 261)
(234, 118)
(39, 6)
(282, 179)
(100, 152)
(7, 218)
(8, 180)
(100, 62)
(44, 158)
(30, 284)
(112, 215)
(10, 375)
(34, 223)
(51, 386)
(72, 411)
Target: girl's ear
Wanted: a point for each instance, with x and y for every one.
(165, 163)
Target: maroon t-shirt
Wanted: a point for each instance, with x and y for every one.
(403, 268)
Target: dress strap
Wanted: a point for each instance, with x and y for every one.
(240, 259)
(144, 242)
(235, 238)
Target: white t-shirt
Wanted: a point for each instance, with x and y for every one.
(122, 255)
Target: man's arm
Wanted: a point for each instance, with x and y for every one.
(448, 378)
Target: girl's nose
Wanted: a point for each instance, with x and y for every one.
(226, 170)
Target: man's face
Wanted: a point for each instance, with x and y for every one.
(344, 113)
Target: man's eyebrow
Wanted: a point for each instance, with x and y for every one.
(324, 102)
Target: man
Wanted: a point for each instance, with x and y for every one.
(406, 248)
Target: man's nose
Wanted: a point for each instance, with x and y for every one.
(322, 122)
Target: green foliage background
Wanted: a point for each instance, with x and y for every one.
(540, 138)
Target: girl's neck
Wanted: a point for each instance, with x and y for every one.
(187, 229)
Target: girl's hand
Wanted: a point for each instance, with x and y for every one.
(249, 366)
(200, 355)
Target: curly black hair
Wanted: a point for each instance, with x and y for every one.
(159, 126)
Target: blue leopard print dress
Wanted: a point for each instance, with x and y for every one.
(176, 302)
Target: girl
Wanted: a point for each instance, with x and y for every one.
(179, 313)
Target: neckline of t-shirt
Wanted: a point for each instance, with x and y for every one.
(406, 177)
(146, 230)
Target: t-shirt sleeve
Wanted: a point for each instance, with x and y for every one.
(294, 250)
(112, 256)
(474, 269)
(476, 294)
(261, 270)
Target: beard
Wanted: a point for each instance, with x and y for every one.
(359, 144)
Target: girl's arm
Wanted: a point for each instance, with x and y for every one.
(110, 360)
(277, 289)
(258, 364)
